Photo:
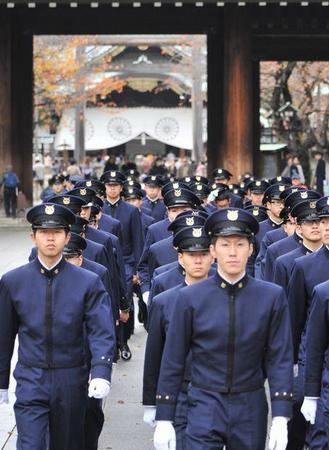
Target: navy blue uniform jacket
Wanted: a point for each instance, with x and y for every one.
(232, 333)
(48, 312)
(284, 264)
(161, 253)
(157, 208)
(269, 239)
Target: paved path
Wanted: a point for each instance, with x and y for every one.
(124, 428)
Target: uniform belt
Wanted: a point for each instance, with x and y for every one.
(227, 390)
(39, 365)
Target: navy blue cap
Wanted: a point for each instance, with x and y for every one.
(181, 197)
(80, 225)
(132, 193)
(132, 184)
(200, 179)
(222, 191)
(113, 177)
(290, 190)
(49, 215)
(187, 180)
(281, 180)
(173, 185)
(69, 201)
(87, 194)
(200, 189)
(231, 221)
(322, 207)
(237, 190)
(257, 186)
(131, 173)
(153, 181)
(299, 196)
(184, 221)
(273, 192)
(221, 174)
(259, 212)
(305, 211)
(192, 239)
(96, 185)
(75, 246)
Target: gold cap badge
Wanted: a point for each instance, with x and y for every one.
(66, 200)
(112, 174)
(232, 215)
(49, 209)
(175, 185)
(258, 183)
(178, 192)
(189, 221)
(255, 212)
(304, 194)
(281, 188)
(313, 205)
(197, 232)
(83, 192)
(88, 183)
(199, 187)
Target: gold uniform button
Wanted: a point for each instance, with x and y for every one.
(223, 285)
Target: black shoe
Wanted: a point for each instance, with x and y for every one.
(125, 352)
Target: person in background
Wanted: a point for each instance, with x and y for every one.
(320, 172)
(10, 183)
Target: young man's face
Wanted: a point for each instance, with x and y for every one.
(57, 188)
(222, 203)
(310, 230)
(324, 229)
(113, 191)
(256, 198)
(50, 242)
(290, 227)
(152, 192)
(275, 207)
(175, 210)
(232, 253)
(85, 213)
(196, 264)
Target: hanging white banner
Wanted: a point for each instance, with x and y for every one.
(109, 127)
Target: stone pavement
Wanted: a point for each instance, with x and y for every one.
(124, 428)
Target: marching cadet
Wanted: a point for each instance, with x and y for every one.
(316, 401)
(202, 191)
(177, 200)
(152, 199)
(132, 240)
(105, 222)
(222, 196)
(220, 321)
(308, 271)
(289, 243)
(256, 189)
(193, 254)
(223, 176)
(48, 303)
(94, 419)
(274, 204)
(134, 196)
(308, 228)
(168, 251)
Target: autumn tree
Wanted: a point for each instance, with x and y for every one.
(304, 84)
(69, 70)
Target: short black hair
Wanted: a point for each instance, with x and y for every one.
(214, 239)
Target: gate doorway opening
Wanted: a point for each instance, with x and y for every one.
(124, 97)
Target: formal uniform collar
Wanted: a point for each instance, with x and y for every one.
(297, 238)
(114, 203)
(181, 270)
(306, 250)
(154, 202)
(223, 283)
(274, 224)
(53, 270)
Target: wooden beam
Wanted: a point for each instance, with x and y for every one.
(237, 142)
(5, 90)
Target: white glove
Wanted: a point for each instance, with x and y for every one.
(164, 436)
(278, 434)
(146, 297)
(308, 409)
(4, 396)
(99, 388)
(149, 415)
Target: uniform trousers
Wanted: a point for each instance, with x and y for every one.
(51, 400)
(180, 421)
(236, 421)
(94, 423)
